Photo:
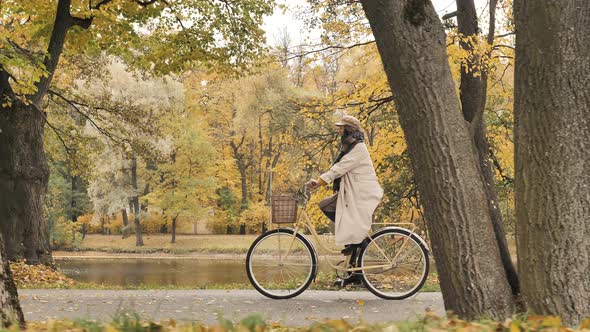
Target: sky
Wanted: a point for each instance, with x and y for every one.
(295, 26)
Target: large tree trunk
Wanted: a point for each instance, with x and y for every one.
(473, 99)
(10, 310)
(411, 41)
(552, 159)
(135, 199)
(23, 182)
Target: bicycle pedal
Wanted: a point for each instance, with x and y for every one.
(339, 283)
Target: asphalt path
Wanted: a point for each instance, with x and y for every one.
(208, 306)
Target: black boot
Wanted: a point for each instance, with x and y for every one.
(350, 248)
(354, 278)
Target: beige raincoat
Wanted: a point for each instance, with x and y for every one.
(359, 194)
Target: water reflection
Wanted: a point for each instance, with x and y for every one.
(176, 272)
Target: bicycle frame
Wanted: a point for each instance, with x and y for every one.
(299, 224)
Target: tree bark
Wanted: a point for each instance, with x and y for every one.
(242, 168)
(411, 41)
(125, 231)
(102, 224)
(473, 93)
(10, 310)
(135, 200)
(24, 174)
(260, 156)
(124, 217)
(552, 140)
(173, 240)
(244, 185)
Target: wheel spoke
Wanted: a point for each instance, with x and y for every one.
(280, 268)
(408, 271)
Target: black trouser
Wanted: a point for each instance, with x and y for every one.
(330, 215)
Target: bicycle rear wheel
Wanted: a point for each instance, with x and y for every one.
(395, 264)
(281, 265)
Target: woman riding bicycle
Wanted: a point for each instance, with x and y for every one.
(356, 188)
(392, 262)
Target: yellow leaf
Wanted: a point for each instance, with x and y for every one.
(360, 302)
(514, 327)
(552, 321)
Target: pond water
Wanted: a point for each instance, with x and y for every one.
(161, 272)
(156, 272)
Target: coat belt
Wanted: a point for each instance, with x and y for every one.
(364, 177)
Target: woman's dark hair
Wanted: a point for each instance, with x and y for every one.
(349, 139)
(352, 134)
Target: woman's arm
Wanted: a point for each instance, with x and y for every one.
(350, 160)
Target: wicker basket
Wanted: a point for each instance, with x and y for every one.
(283, 209)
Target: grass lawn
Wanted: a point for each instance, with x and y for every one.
(225, 244)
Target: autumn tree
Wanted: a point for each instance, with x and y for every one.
(183, 182)
(126, 111)
(552, 140)
(35, 36)
(249, 119)
(412, 46)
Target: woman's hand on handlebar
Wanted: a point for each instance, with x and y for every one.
(314, 184)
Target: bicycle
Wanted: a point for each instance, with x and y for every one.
(393, 262)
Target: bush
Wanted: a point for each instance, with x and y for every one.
(151, 222)
(220, 221)
(254, 217)
(92, 222)
(65, 234)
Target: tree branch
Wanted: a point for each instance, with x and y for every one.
(145, 3)
(449, 15)
(496, 163)
(331, 47)
(505, 34)
(61, 26)
(498, 46)
(84, 23)
(76, 107)
(56, 131)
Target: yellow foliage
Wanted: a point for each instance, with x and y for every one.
(152, 222)
(220, 221)
(255, 216)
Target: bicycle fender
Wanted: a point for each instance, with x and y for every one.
(397, 228)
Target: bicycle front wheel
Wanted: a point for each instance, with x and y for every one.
(281, 264)
(395, 264)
